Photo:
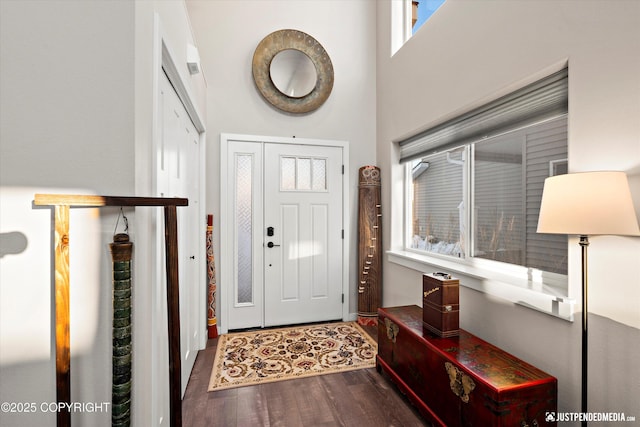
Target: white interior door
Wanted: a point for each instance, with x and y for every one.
(284, 233)
(178, 176)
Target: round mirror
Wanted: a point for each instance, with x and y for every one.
(293, 73)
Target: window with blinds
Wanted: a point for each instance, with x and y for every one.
(475, 183)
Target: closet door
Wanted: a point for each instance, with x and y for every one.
(178, 176)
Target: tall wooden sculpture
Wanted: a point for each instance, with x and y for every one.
(121, 249)
(212, 321)
(369, 245)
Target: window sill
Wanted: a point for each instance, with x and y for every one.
(525, 292)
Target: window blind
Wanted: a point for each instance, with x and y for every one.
(539, 101)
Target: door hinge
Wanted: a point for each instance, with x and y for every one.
(343, 234)
(343, 298)
(342, 169)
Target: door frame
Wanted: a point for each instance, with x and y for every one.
(226, 258)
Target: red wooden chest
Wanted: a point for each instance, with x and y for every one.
(441, 304)
(461, 380)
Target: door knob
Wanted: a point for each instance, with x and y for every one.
(270, 245)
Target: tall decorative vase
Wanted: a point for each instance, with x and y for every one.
(369, 245)
(121, 249)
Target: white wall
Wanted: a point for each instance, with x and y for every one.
(157, 22)
(228, 33)
(76, 116)
(470, 52)
(66, 127)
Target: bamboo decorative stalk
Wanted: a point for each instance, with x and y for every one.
(369, 245)
(121, 249)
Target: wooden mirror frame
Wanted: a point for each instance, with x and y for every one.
(275, 43)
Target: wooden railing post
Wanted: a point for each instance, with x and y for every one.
(173, 315)
(63, 362)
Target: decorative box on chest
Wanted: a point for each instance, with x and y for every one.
(461, 380)
(441, 304)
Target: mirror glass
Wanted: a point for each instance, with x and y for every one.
(293, 73)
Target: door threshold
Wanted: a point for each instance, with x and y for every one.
(293, 325)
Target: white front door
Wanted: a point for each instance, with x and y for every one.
(284, 233)
(303, 211)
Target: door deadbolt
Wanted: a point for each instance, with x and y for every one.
(270, 231)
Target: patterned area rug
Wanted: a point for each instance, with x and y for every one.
(250, 358)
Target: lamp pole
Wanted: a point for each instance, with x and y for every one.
(584, 243)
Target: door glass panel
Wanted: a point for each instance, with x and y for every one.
(304, 174)
(288, 173)
(244, 225)
(319, 174)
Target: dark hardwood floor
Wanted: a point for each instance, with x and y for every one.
(355, 398)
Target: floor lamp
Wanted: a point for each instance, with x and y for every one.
(587, 204)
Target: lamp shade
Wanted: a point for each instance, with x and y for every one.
(588, 203)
